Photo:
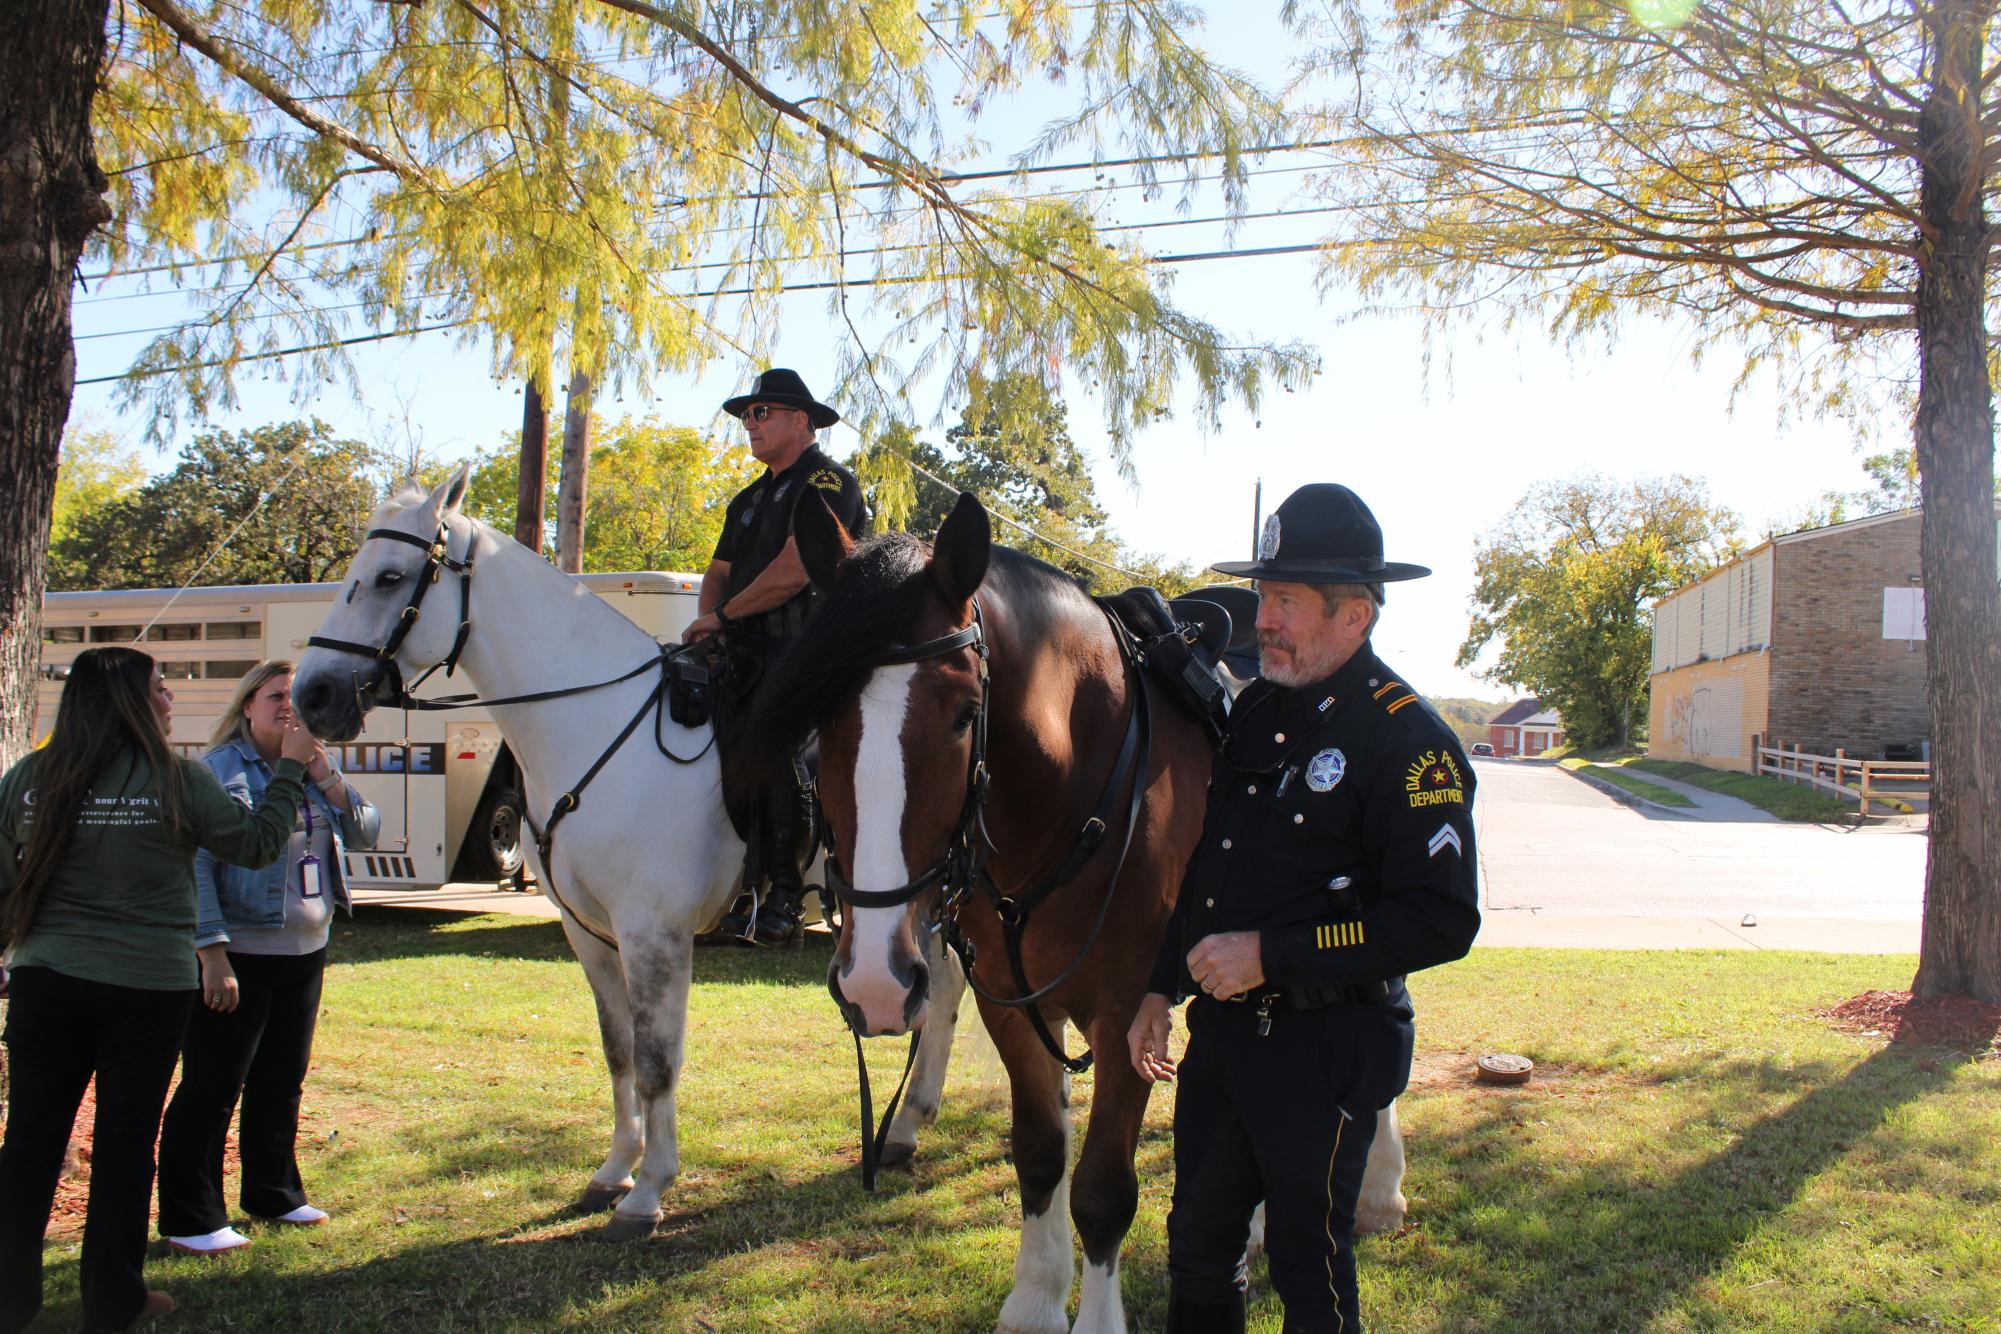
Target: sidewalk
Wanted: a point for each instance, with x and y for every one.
(1499, 929)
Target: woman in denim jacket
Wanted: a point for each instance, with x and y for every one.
(261, 936)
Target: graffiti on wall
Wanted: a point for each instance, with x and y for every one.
(1689, 722)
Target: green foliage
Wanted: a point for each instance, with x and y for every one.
(627, 188)
(656, 494)
(304, 494)
(1012, 449)
(1468, 717)
(1625, 782)
(98, 467)
(1565, 583)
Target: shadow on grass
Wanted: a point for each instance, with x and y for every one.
(1618, 1247)
(381, 934)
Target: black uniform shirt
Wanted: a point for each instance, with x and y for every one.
(1355, 776)
(759, 520)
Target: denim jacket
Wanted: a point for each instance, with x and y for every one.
(233, 896)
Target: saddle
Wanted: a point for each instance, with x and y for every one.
(1184, 645)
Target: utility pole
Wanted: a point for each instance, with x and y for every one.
(531, 493)
(571, 486)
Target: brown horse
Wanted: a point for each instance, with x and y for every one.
(1002, 667)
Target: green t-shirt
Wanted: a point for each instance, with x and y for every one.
(121, 907)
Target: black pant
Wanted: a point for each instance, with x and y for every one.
(61, 1030)
(1287, 1118)
(260, 1050)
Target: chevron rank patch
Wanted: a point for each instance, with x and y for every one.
(826, 479)
(1433, 779)
(1337, 934)
(1446, 837)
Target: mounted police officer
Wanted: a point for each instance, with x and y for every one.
(1337, 856)
(756, 594)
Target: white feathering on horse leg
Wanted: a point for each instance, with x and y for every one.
(1382, 1205)
(1044, 1266)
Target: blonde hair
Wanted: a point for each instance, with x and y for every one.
(232, 726)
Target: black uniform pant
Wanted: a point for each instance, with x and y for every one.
(260, 1050)
(1287, 1118)
(62, 1030)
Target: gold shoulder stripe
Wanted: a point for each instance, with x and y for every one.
(1407, 699)
(1387, 689)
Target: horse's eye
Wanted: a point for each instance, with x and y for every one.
(967, 713)
(389, 579)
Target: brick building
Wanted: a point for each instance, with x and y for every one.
(1525, 728)
(1815, 638)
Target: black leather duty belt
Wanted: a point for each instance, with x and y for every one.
(1312, 998)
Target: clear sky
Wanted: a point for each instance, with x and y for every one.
(1440, 456)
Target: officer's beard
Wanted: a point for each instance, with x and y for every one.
(1297, 669)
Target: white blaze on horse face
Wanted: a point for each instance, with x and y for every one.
(881, 792)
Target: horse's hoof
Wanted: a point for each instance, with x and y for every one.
(596, 1199)
(897, 1155)
(630, 1227)
(1375, 1219)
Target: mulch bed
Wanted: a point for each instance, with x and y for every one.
(1943, 1021)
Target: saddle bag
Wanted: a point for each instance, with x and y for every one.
(1181, 646)
(691, 688)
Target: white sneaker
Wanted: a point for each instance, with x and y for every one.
(305, 1215)
(209, 1243)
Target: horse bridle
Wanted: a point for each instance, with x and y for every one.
(437, 559)
(962, 867)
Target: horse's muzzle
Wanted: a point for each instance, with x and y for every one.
(879, 1011)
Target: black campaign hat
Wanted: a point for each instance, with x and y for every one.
(787, 390)
(1322, 534)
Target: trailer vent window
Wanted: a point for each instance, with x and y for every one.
(62, 634)
(229, 669)
(168, 634)
(235, 630)
(178, 671)
(113, 634)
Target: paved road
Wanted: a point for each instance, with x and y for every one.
(1552, 844)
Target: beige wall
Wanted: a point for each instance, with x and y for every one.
(1707, 712)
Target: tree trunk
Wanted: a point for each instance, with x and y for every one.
(1961, 949)
(570, 487)
(51, 200)
(531, 493)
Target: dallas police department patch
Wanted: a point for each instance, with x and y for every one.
(826, 479)
(1433, 779)
(1268, 539)
(1324, 770)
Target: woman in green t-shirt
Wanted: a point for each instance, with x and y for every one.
(98, 833)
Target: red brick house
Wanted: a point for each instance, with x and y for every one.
(1815, 639)
(1525, 728)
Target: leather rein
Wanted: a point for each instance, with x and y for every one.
(385, 684)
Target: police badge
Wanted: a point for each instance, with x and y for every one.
(1324, 770)
(1268, 539)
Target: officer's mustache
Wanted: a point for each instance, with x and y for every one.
(1271, 639)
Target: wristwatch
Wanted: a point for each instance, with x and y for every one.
(722, 617)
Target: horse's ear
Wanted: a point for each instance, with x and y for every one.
(445, 498)
(823, 543)
(959, 553)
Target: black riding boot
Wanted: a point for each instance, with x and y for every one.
(1187, 1316)
(787, 825)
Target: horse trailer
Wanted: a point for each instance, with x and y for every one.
(448, 789)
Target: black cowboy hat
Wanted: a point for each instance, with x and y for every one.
(787, 390)
(1322, 534)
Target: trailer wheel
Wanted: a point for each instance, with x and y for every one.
(493, 841)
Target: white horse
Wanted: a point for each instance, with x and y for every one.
(643, 861)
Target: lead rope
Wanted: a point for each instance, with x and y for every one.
(876, 1136)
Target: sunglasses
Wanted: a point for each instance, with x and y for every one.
(758, 412)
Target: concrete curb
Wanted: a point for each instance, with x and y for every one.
(1633, 799)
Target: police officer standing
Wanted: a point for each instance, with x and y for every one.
(1337, 856)
(756, 593)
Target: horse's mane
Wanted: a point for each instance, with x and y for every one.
(875, 599)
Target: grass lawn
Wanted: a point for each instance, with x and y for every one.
(1699, 1151)
(1788, 801)
(1625, 782)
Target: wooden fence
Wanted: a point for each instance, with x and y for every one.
(1847, 777)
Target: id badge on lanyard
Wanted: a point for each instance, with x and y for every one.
(309, 865)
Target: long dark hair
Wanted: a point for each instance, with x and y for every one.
(106, 716)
